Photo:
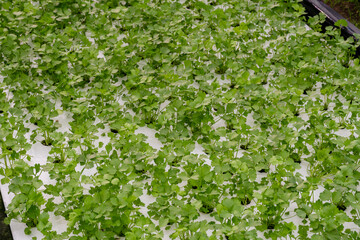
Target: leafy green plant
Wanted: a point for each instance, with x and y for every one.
(255, 118)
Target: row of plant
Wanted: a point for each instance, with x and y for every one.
(262, 93)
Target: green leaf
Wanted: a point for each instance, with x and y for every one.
(341, 23)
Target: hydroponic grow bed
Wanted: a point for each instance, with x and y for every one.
(177, 120)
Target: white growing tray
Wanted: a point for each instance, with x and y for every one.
(39, 154)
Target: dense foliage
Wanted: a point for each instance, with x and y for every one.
(262, 94)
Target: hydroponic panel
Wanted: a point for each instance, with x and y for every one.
(177, 120)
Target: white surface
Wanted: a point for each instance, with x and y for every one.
(39, 154)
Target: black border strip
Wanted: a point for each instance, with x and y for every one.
(5, 232)
(314, 7)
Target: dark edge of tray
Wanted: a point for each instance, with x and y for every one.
(5, 232)
(314, 7)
